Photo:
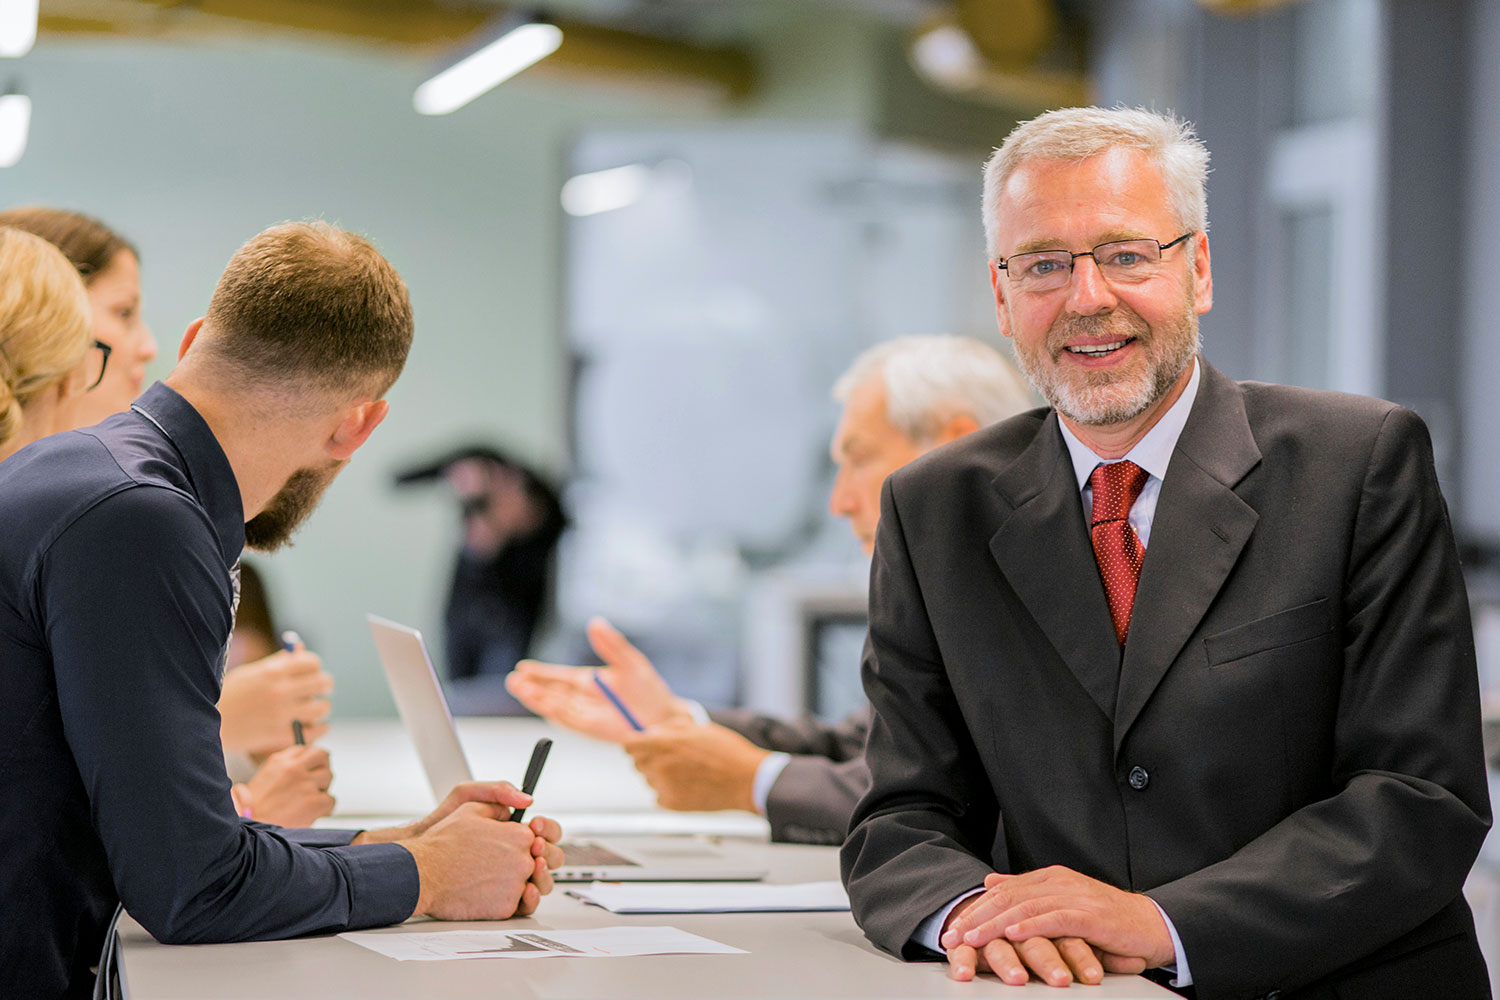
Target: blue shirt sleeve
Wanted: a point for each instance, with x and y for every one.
(136, 600)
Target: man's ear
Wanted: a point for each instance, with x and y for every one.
(997, 285)
(355, 428)
(190, 335)
(1203, 276)
(957, 427)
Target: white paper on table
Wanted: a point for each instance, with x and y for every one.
(714, 897)
(598, 942)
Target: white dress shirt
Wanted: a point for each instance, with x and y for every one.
(1153, 452)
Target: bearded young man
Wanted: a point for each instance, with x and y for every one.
(1177, 675)
(118, 580)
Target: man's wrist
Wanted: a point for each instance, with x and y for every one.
(417, 852)
(766, 774)
(687, 709)
(1178, 961)
(959, 908)
(385, 835)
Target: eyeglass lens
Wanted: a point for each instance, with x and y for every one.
(1124, 261)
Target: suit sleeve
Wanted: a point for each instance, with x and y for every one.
(808, 736)
(813, 798)
(1391, 846)
(137, 696)
(917, 838)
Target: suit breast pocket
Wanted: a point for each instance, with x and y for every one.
(1284, 628)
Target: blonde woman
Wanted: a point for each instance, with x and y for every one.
(111, 270)
(48, 355)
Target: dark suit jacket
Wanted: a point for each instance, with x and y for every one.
(811, 800)
(1288, 758)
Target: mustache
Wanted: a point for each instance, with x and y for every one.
(1118, 324)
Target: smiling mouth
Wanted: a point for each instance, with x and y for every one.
(1099, 350)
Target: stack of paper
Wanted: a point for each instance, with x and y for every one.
(713, 897)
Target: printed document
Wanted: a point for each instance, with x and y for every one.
(598, 942)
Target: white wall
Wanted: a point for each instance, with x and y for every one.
(190, 150)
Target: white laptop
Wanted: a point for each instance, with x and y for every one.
(424, 711)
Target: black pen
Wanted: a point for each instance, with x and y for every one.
(289, 642)
(533, 772)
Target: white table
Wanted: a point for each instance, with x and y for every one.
(812, 955)
(590, 787)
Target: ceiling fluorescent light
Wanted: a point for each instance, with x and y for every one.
(489, 67)
(17, 27)
(605, 190)
(15, 122)
(947, 54)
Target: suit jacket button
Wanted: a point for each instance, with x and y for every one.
(1139, 779)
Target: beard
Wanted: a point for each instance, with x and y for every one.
(1099, 397)
(272, 528)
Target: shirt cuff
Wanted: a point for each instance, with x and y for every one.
(929, 931)
(383, 883)
(696, 710)
(765, 776)
(1181, 975)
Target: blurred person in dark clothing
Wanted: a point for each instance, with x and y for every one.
(512, 519)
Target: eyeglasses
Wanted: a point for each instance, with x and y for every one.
(1121, 262)
(95, 377)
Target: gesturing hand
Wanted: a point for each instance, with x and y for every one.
(569, 696)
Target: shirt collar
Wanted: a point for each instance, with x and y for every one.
(208, 469)
(1152, 452)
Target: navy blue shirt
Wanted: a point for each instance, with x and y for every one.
(116, 549)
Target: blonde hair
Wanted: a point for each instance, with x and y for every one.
(46, 327)
(1078, 133)
(931, 379)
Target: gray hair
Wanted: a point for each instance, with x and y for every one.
(929, 380)
(1079, 133)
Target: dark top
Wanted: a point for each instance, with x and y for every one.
(115, 609)
(493, 609)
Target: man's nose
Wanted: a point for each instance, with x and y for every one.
(148, 344)
(841, 497)
(1088, 292)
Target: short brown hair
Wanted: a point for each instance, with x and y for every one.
(89, 244)
(306, 304)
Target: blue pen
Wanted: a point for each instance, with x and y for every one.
(289, 642)
(615, 700)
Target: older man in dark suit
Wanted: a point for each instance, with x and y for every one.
(1178, 673)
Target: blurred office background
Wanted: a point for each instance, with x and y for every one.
(757, 190)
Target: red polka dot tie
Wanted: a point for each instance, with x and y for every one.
(1116, 546)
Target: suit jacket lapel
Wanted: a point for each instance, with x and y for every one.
(1043, 550)
(1198, 532)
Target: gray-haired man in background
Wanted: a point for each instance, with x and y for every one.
(901, 399)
